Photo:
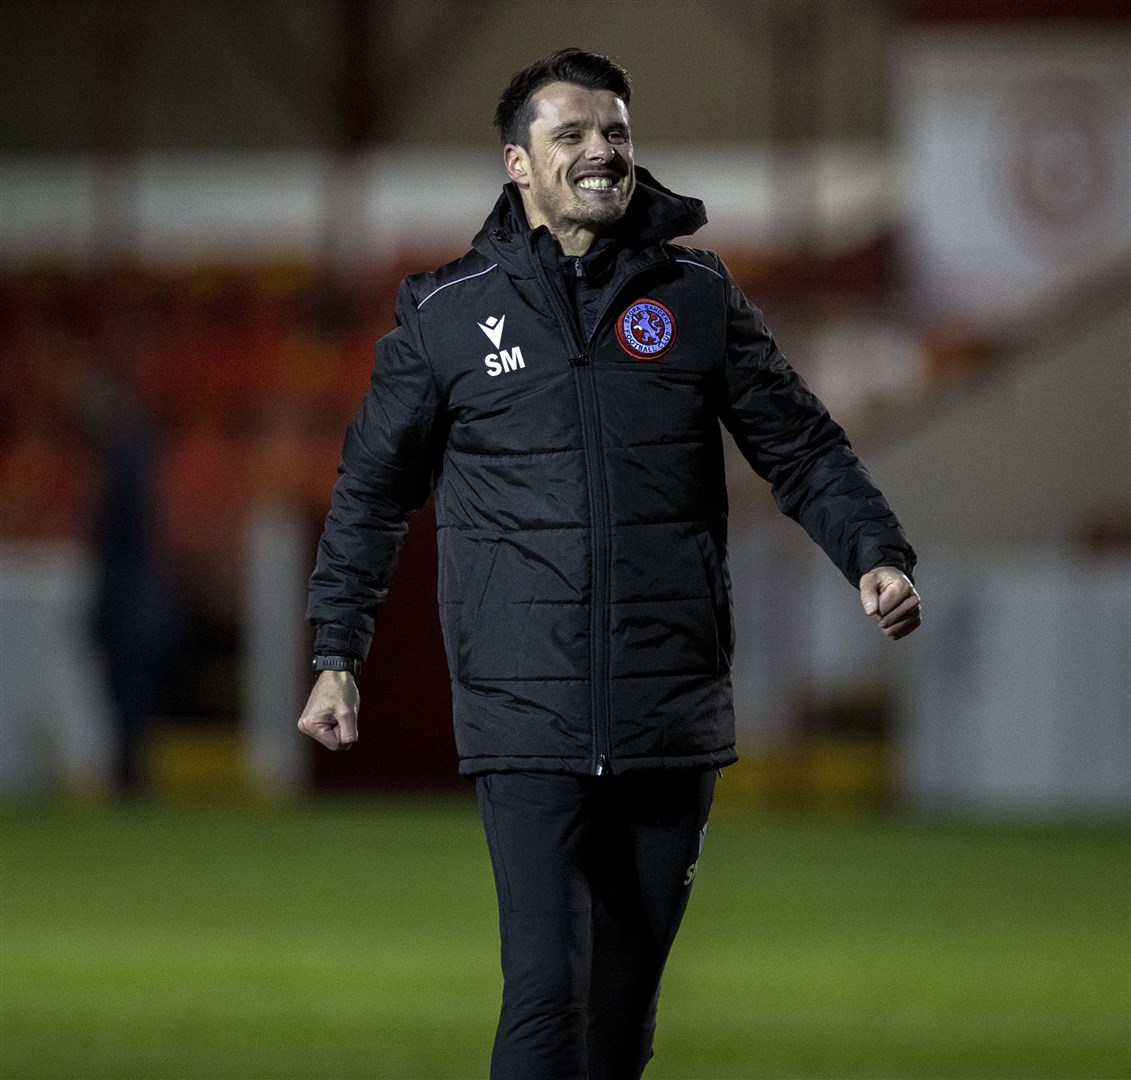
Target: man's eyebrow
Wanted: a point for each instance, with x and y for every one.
(573, 125)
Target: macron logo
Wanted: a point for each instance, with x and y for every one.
(493, 328)
(504, 359)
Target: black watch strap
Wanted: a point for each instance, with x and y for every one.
(337, 663)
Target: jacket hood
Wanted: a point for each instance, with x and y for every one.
(654, 214)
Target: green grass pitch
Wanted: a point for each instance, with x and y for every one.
(357, 939)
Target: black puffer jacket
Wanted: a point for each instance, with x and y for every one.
(580, 495)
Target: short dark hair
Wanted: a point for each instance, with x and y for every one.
(587, 70)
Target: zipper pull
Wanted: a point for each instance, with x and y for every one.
(578, 269)
(578, 361)
(602, 764)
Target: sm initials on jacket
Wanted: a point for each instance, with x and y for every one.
(504, 359)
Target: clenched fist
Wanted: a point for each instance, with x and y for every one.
(887, 593)
(330, 715)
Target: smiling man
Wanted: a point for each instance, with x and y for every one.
(561, 388)
(573, 163)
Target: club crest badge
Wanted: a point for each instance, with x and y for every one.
(646, 329)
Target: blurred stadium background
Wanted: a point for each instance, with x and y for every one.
(920, 868)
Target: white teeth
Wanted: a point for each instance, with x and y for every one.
(595, 183)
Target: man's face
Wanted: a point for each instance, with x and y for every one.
(577, 176)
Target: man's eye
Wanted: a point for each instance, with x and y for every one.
(618, 136)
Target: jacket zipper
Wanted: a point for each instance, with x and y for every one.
(585, 382)
(599, 608)
(579, 363)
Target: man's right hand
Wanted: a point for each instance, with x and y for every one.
(330, 715)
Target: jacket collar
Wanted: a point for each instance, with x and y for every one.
(654, 215)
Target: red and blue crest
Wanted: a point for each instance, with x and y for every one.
(646, 329)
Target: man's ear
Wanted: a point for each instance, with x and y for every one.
(517, 163)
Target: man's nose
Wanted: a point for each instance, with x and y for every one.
(599, 149)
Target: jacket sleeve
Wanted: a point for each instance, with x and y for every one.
(790, 440)
(385, 474)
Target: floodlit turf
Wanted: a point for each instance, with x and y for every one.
(343, 940)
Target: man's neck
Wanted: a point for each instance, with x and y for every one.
(572, 241)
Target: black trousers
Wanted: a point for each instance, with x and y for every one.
(593, 876)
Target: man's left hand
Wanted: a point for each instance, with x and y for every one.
(888, 594)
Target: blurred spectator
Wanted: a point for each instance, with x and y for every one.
(137, 615)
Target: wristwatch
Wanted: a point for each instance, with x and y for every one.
(337, 663)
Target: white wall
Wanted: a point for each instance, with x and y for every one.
(55, 713)
(1022, 694)
(1016, 144)
(175, 208)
